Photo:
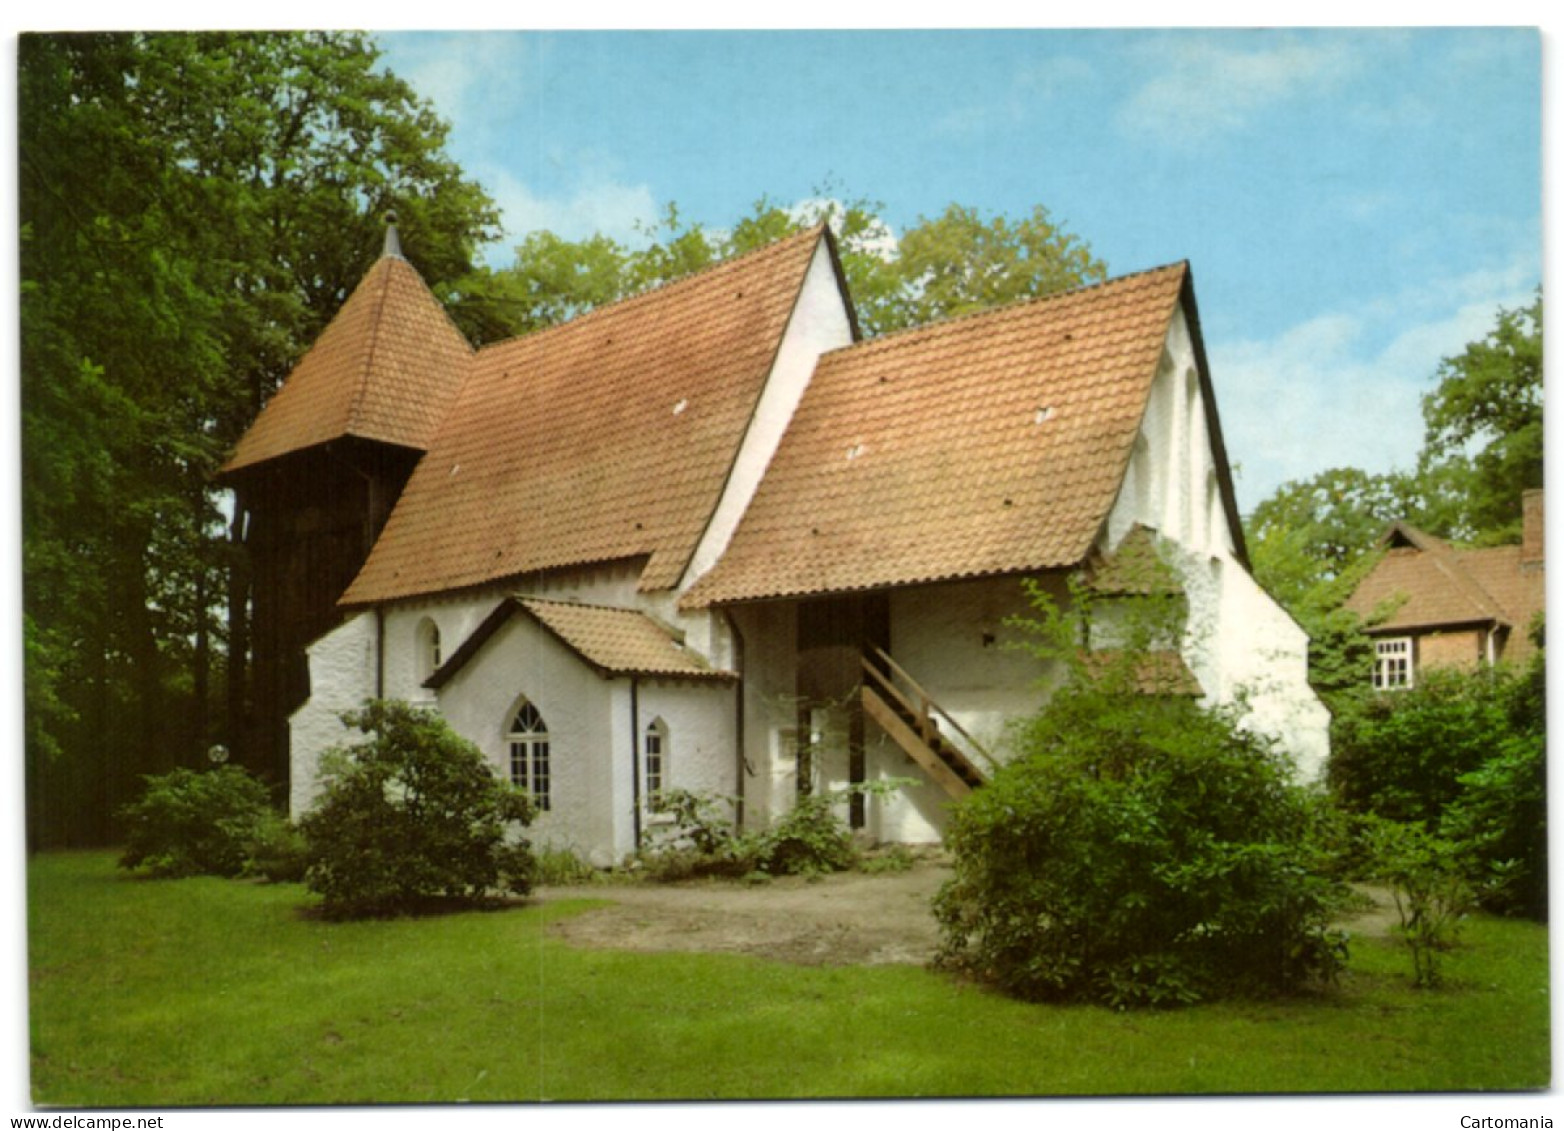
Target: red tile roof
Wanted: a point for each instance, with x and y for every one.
(1134, 568)
(613, 641)
(620, 641)
(1429, 584)
(987, 444)
(1161, 672)
(606, 438)
(387, 368)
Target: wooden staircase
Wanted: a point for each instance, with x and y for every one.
(895, 701)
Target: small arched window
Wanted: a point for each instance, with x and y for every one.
(654, 749)
(529, 754)
(428, 648)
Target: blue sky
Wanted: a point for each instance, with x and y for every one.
(1356, 203)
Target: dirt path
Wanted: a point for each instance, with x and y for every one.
(846, 919)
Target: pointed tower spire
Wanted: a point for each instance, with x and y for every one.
(393, 248)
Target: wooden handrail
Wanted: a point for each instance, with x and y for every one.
(925, 707)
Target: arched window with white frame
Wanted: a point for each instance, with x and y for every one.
(654, 762)
(529, 754)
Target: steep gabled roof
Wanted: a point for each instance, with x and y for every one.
(611, 641)
(388, 367)
(1429, 585)
(607, 438)
(988, 444)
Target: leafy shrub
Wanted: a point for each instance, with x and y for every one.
(1402, 755)
(698, 842)
(701, 842)
(886, 859)
(1431, 894)
(1499, 826)
(808, 840)
(697, 822)
(410, 815)
(194, 822)
(1141, 851)
(1465, 754)
(275, 851)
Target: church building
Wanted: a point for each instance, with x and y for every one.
(706, 538)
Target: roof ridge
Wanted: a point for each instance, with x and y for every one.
(895, 336)
(529, 598)
(367, 363)
(1446, 559)
(773, 248)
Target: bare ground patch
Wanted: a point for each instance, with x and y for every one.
(849, 919)
(846, 919)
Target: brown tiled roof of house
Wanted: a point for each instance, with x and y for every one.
(388, 367)
(613, 641)
(1134, 568)
(606, 438)
(1162, 672)
(620, 641)
(1428, 584)
(987, 444)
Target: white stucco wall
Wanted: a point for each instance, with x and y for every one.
(593, 750)
(955, 641)
(342, 676)
(770, 634)
(700, 753)
(1238, 642)
(818, 323)
(591, 807)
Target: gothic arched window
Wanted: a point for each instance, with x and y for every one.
(529, 753)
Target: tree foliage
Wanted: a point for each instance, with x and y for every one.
(1312, 541)
(193, 209)
(1484, 423)
(411, 814)
(951, 264)
(1141, 851)
(197, 822)
(1462, 755)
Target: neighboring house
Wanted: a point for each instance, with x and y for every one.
(1431, 605)
(704, 538)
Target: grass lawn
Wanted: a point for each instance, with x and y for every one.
(209, 992)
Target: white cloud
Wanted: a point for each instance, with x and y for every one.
(457, 70)
(1333, 391)
(1202, 86)
(596, 206)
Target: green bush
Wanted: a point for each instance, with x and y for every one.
(1401, 755)
(275, 851)
(701, 842)
(1499, 826)
(1464, 754)
(1425, 880)
(698, 841)
(411, 815)
(808, 840)
(195, 822)
(1140, 851)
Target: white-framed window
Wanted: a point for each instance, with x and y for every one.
(529, 754)
(1393, 663)
(654, 762)
(427, 647)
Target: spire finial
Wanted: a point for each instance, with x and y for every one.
(393, 248)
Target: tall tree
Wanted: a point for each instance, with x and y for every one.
(193, 208)
(955, 263)
(1484, 424)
